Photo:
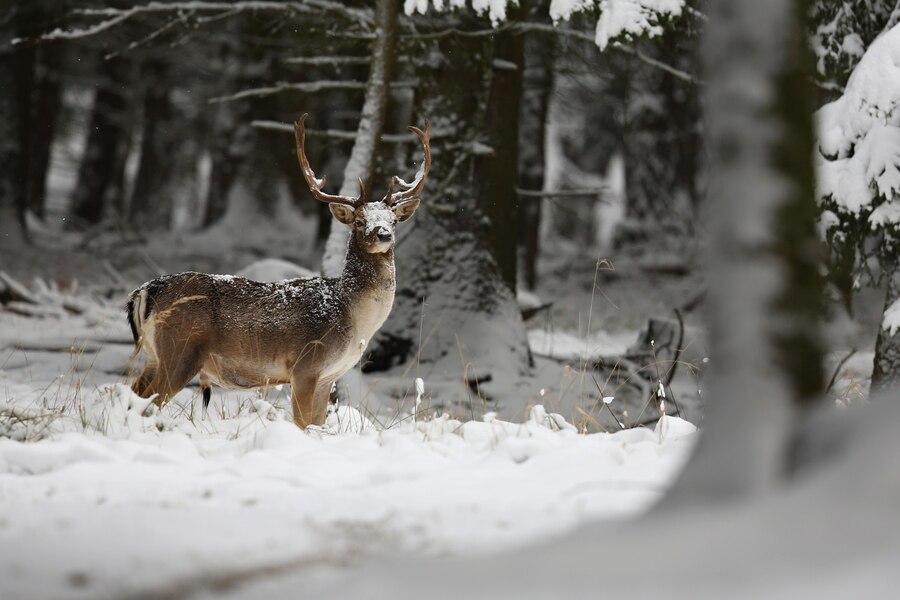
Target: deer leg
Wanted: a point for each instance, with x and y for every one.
(303, 390)
(165, 382)
(320, 402)
(206, 390)
(144, 379)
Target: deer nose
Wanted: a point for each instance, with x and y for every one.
(384, 235)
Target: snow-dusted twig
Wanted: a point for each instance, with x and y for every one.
(314, 61)
(837, 369)
(338, 134)
(593, 192)
(308, 87)
(312, 86)
(148, 38)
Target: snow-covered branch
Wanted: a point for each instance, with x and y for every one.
(619, 20)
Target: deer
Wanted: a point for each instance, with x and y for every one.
(307, 332)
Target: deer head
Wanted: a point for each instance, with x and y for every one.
(372, 222)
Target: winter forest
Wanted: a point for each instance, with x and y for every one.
(441, 299)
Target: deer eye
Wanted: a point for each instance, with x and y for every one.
(360, 224)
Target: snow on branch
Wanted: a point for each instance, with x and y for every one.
(858, 157)
(309, 87)
(619, 20)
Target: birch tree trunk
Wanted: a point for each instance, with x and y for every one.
(765, 289)
(361, 165)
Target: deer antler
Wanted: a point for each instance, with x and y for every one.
(408, 191)
(315, 185)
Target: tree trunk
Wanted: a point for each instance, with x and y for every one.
(886, 370)
(765, 290)
(538, 84)
(45, 108)
(454, 315)
(361, 165)
(16, 80)
(497, 173)
(99, 174)
(151, 201)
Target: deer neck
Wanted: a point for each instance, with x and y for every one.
(368, 283)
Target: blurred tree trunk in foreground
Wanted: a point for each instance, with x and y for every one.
(765, 290)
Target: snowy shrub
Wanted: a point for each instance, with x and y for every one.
(858, 156)
(843, 31)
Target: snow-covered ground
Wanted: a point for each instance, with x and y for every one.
(98, 501)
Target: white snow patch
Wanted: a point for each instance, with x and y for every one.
(106, 489)
(891, 322)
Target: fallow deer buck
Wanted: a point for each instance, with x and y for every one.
(244, 334)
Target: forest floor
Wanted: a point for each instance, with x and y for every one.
(101, 501)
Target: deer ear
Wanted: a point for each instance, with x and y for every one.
(342, 213)
(405, 210)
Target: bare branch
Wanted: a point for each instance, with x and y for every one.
(309, 87)
(588, 192)
(146, 39)
(337, 134)
(116, 16)
(327, 60)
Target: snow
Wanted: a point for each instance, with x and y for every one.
(494, 9)
(859, 136)
(619, 19)
(891, 321)
(111, 503)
